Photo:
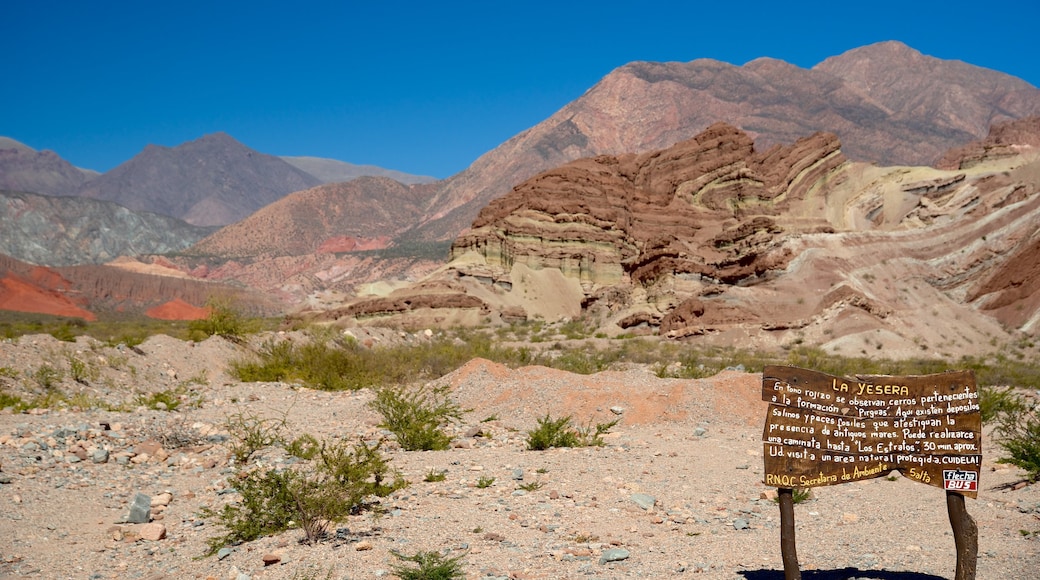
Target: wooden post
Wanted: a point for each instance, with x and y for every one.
(965, 535)
(788, 549)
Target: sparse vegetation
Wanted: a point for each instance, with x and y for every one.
(1018, 434)
(434, 476)
(417, 415)
(560, 432)
(428, 566)
(485, 482)
(224, 321)
(249, 433)
(310, 496)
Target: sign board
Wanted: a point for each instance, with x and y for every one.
(826, 430)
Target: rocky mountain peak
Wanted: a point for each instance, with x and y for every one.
(213, 180)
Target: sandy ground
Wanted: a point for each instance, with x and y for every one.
(676, 491)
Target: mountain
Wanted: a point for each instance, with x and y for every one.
(887, 103)
(62, 231)
(86, 291)
(22, 168)
(335, 171)
(212, 181)
(364, 213)
(717, 239)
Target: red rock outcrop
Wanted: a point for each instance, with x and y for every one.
(1006, 139)
(709, 206)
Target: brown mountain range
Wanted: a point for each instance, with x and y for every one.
(714, 238)
(212, 181)
(886, 102)
(22, 168)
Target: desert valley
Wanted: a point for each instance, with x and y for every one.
(882, 205)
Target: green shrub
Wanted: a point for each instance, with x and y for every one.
(417, 416)
(1018, 433)
(428, 566)
(224, 321)
(166, 400)
(9, 400)
(47, 377)
(993, 403)
(250, 433)
(305, 447)
(311, 497)
(531, 486)
(552, 433)
(485, 482)
(434, 476)
(83, 372)
(561, 433)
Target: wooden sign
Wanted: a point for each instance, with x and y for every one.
(826, 430)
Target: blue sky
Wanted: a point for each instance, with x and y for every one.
(421, 87)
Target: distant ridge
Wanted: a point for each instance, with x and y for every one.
(211, 181)
(335, 171)
(23, 168)
(888, 103)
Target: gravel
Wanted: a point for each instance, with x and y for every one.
(676, 490)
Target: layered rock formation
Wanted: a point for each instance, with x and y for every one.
(708, 207)
(713, 239)
(888, 103)
(1007, 139)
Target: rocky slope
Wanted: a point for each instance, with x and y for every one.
(713, 239)
(63, 231)
(676, 490)
(335, 171)
(365, 213)
(22, 168)
(212, 181)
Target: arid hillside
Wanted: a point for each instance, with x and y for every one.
(714, 240)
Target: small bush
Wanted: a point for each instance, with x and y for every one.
(485, 482)
(305, 447)
(428, 566)
(417, 416)
(311, 497)
(1018, 433)
(561, 433)
(166, 400)
(552, 433)
(249, 433)
(798, 495)
(993, 403)
(9, 400)
(47, 377)
(82, 372)
(434, 476)
(223, 320)
(531, 486)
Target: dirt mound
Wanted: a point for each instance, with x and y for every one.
(22, 295)
(177, 309)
